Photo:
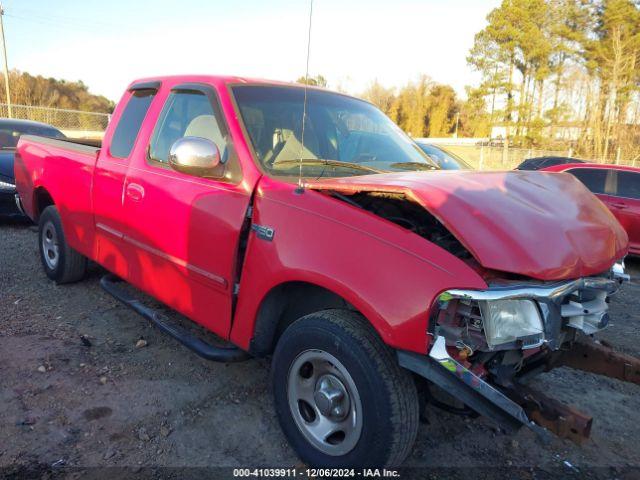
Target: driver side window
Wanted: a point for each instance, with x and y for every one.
(186, 114)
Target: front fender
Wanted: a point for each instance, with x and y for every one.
(390, 274)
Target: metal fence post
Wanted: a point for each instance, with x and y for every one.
(505, 151)
(480, 164)
(618, 155)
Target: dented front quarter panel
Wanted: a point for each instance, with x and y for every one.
(389, 274)
(540, 225)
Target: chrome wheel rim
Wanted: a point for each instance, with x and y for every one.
(324, 402)
(50, 249)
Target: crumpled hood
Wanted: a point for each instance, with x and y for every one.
(546, 226)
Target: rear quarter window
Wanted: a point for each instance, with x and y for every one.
(130, 122)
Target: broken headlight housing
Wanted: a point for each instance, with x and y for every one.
(507, 321)
(524, 315)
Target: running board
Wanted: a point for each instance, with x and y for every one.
(200, 347)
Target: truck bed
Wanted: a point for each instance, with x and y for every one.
(61, 170)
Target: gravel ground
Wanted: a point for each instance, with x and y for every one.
(78, 396)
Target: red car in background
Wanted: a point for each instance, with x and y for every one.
(619, 189)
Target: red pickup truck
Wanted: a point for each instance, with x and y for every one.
(303, 224)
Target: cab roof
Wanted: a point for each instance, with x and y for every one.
(224, 80)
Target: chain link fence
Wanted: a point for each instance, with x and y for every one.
(74, 123)
(500, 157)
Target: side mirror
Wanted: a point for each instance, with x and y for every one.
(195, 156)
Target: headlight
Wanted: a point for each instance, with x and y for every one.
(6, 187)
(506, 321)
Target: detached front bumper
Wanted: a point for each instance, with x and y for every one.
(516, 405)
(488, 378)
(460, 382)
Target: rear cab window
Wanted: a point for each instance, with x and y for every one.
(130, 122)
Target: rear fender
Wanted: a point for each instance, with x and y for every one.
(44, 165)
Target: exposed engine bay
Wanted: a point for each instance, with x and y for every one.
(397, 208)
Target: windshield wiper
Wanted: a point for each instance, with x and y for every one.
(414, 166)
(330, 163)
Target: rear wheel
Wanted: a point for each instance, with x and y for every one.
(341, 398)
(61, 262)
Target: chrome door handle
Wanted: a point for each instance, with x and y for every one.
(135, 191)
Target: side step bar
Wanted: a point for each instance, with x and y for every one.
(200, 347)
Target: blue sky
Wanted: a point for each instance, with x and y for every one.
(106, 44)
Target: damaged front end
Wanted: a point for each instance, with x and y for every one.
(487, 342)
(524, 234)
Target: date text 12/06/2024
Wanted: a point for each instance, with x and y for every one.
(315, 473)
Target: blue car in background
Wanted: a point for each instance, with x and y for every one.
(10, 132)
(443, 158)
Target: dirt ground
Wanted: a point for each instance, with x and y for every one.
(77, 396)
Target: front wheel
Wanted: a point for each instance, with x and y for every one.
(61, 262)
(341, 398)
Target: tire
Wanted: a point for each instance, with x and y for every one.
(61, 262)
(321, 360)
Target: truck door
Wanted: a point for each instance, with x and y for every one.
(109, 175)
(186, 228)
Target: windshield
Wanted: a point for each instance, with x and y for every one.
(445, 159)
(10, 133)
(342, 135)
